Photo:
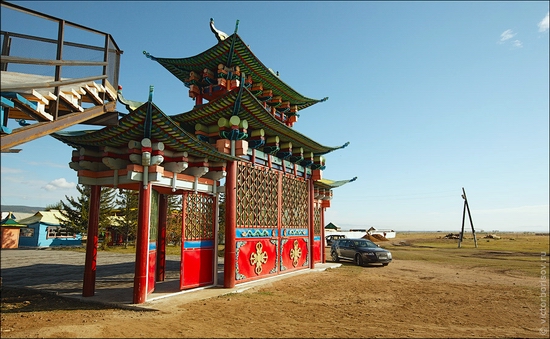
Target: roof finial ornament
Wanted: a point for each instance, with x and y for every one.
(130, 104)
(221, 36)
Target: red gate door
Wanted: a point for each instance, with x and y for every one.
(197, 250)
(294, 233)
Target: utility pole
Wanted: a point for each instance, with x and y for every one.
(466, 207)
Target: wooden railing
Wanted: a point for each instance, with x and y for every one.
(50, 83)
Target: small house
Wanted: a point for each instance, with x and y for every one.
(332, 227)
(44, 229)
(10, 231)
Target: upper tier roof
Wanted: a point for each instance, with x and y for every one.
(255, 114)
(131, 127)
(244, 58)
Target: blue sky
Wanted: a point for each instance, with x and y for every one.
(432, 96)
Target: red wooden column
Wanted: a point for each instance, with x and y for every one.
(230, 224)
(216, 228)
(311, 213)
(161, 238)
(142, 245)
(88, 287)
(322, 212)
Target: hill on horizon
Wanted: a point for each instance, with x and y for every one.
(21, 209)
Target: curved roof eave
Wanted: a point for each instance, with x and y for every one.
(245, 59)
(330, 184)
(257, 117)
(131, 128)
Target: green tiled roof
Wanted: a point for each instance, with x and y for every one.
(131, 127)
(242, 57)
(9, 221)
(257, 117)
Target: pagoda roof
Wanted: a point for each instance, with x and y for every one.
(241, 56)
(9, 221)
(131, 127)
(251, 110)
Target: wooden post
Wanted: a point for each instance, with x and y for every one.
(161, 238)
(142, 244)
(216, 211)
(322, 212)
(88, 287)
(467, 207)
(462, 229)
(311, 212)
(470, 216)
(230, 224)
(184, 196)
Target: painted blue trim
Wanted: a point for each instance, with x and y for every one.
(152, 246)
(256, 232)
(13, 95)
(317, 238)
(292, 232)
(198, 244)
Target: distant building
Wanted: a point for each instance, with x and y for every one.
(10, 230)
(45, 230)
(332, 227)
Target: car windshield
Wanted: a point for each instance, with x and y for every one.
(364, 243)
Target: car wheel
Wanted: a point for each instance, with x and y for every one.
(359, 259)
(334, 257)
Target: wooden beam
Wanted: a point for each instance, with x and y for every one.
(28, 133)
(12, 87)
(31, 61)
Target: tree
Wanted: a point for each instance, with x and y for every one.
(55, 206)
(127, 204)
(75, 211)
(174, 220)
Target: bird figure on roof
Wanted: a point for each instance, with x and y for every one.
(221, 36)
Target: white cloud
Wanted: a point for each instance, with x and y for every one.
(48, 164)
(507, 35)
(60, 183)
(517, 44)
(543, 25)
(6, 170)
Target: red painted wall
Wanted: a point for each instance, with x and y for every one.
(151, 276)
(197, 267)
(317, 250)
(294, 245)
(266, 252)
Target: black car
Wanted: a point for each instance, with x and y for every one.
(360, 251)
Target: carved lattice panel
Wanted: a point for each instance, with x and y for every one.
(295, 203)
(199, 217)
(317, 220)
(256, 197)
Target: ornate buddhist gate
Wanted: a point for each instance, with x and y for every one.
(272, 234)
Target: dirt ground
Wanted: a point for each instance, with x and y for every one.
(408, 298)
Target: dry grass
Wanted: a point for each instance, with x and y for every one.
(521, 252)
(512, 252)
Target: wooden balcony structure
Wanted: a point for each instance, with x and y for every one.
(46, 95)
